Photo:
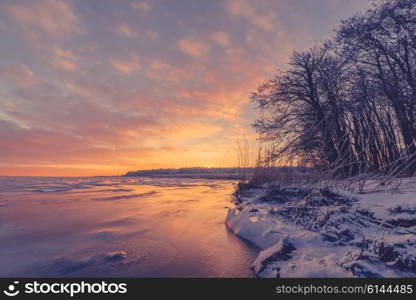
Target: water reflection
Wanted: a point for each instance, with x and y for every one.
(118, 227)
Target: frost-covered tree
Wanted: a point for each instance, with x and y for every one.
(350, 105)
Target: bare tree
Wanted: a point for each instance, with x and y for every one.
(350, 104)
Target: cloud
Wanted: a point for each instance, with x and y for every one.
(193, 47)
(125, 30)
(248, 10)
(64, 59)
(54, 17)
(65, 64)
(143, 7)
(127, 66)
(221, 38)
(20, 75)
(174, 92)
(160, 70)
(67, 54)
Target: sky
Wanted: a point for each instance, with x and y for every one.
(101, 87)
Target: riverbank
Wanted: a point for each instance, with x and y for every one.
(327, 232)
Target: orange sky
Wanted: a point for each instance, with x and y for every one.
(104, 87)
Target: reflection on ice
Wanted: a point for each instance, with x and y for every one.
(130, 196)
(116, 226)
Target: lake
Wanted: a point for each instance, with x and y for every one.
(119, 227)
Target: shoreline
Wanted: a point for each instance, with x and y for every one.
(310, 232)
(191, 176)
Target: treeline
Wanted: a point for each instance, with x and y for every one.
(182, 171)
(349, 105)
(200, 172)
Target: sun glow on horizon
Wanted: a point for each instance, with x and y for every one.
(104, 88)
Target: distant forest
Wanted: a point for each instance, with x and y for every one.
(194, 170)
(349, 104)
(200, 172)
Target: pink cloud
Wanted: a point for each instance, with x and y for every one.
(127, 66)
(20, 75)
(248, 10)
(64, 53)
(193, 47)
(142, 6)
(125, 30)
(54, 17)
(160, 70)
(221, 38)
(138, 102)
(65, 64)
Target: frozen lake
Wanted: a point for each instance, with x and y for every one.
(118, 227)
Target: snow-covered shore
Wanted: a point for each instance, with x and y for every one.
(326, 232)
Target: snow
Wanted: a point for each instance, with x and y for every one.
(259, 232)
(268, 253)
(329, 232)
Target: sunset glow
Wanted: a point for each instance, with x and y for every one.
(104, 87)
